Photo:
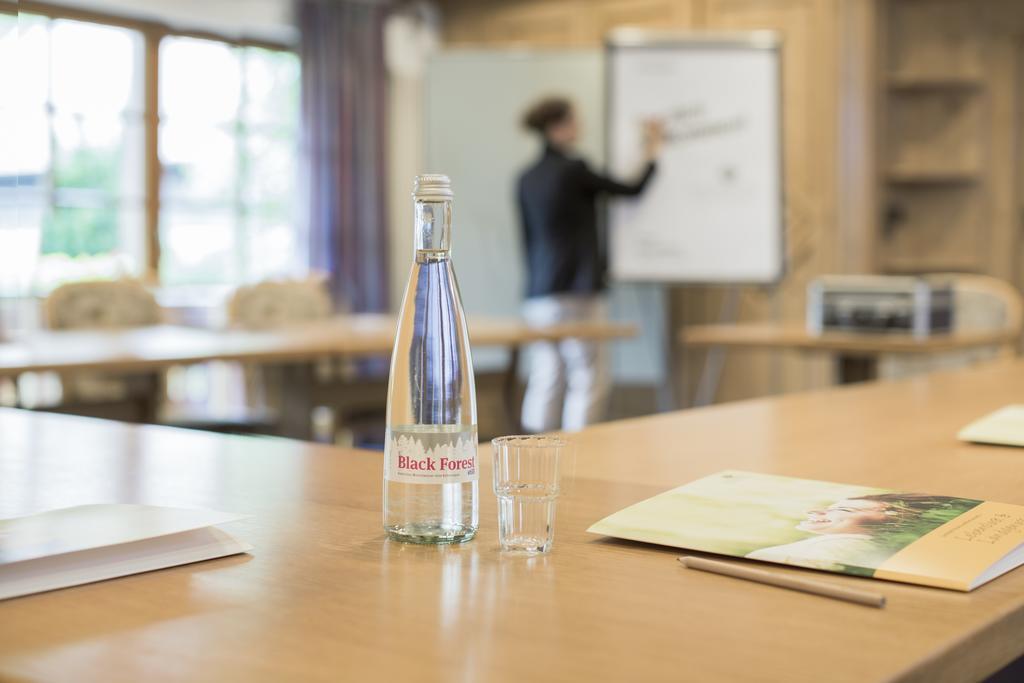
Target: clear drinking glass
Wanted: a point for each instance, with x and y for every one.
(527, 481)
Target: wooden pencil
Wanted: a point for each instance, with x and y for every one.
(791, 582)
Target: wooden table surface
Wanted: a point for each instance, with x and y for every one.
(324, 597)
(781, 335)
(150, 348)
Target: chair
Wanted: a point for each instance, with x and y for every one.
(101, 305)
(278, 303)
(246, 398)
(340, 412)
(980, 303)
(104, 305)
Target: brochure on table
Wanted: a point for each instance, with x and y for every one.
(932, 540)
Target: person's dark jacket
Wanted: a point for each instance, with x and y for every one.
(558, 210)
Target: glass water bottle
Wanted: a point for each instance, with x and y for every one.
(430, 459)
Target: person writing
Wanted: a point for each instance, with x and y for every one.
(557, 197)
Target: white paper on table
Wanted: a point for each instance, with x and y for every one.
(1004, 427)
(72, 546)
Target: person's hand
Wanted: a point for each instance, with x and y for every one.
(654, 137)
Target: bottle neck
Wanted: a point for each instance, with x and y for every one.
(433, 221)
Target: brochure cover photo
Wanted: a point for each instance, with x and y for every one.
(942, 541)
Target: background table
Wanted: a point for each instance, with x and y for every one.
(856, 355)
(161, 346)
(151, 349)
(325, 597)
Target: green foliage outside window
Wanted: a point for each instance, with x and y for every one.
(85, 231)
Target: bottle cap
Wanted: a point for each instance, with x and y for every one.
(432, 187)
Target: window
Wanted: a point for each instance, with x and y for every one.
(15, 239)
(73, 184)
(73, 201)
(228, 146)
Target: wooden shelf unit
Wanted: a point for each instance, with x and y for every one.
(941, 127)
(932, 176)
(915, 82)
(933, 227)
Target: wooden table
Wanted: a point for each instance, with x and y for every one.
(151, 349)
(856, 354)
(324, 597)
(158, 347)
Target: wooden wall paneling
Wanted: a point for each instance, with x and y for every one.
(810, 114)
(547, 24)
(1003, 140)
(745, 373)
(935, 37)
(526, 22)
(1019, 279)
(606, 15)
(935, 131)
(563, 23)
(462, 21)
(857, 159)
(1003, 24)
(942, 229)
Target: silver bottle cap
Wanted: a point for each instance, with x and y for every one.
(432, 187)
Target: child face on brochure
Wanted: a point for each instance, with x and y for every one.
(848, 516)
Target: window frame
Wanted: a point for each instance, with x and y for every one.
(153, 32)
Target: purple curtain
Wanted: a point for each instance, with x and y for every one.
(344, 116)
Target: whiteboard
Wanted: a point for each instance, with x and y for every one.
(713, 213)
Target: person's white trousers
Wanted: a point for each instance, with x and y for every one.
(573, 369)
